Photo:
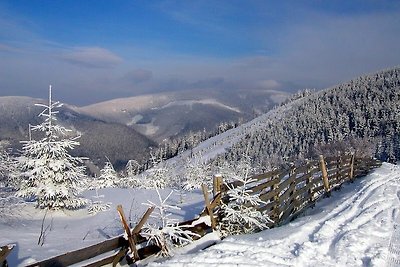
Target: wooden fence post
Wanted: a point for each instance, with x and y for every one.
(310, 185)
(352, 167)
(338, 171)
(217, 182)
(208, 206)
(132, 244)
(324, 174)
(276, 208)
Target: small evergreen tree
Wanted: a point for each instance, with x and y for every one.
(239, 215)
(158, 175)
(50, 175)
(108, 176)
(166, 232)
(7, 167)
(132, 168)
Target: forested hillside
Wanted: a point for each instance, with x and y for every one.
(98, 139)
(362, 115)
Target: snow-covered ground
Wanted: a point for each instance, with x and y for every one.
(72, 230)
(358, 226)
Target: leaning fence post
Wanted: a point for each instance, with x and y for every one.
(208, 206)
(324, 174)
(128, 232)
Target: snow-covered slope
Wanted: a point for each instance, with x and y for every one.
(71, 230)
(358, 226)
(358, 116)
(167, 114)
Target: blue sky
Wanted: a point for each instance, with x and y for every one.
(95, 50)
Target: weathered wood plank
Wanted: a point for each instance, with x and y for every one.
(303, 192)
(303, 178)
(288, 211)
(262, 186)
(207, 203)
(82, 254)
(268, 196)
(267, 207)
(267, 175)
(285, 183)
(287, 196)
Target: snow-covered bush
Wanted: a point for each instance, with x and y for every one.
(234, 170)
(166, 232)
(130, 182)
(96, 205)
(196, 173)
(49, 174)
(158, 176)
(238, 213)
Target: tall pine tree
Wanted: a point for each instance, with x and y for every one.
(50, 175)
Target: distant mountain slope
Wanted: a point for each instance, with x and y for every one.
(98, 138)
(163, 115)
(362, 114)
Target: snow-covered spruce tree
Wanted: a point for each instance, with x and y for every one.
(131, 177)
(166, 232)
(7, 167)
(132, 168)
(50, 175)
(238, 213)
(158, 176)
(108, 176)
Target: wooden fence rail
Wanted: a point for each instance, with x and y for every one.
(286, 193)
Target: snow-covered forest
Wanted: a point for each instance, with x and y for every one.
(360, 116)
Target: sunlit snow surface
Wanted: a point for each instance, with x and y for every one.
(357, 226)
(354, 227)
(72, 230)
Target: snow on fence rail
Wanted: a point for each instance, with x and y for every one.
(285, 193)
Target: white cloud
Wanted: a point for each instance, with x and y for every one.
(269, 84)
(92, 57)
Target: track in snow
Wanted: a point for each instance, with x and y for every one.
(358, 226)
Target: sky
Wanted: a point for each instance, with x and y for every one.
(95, 50)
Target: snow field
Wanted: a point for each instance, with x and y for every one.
(354, 227)
(71, 230)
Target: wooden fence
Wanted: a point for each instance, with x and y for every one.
(286, 193)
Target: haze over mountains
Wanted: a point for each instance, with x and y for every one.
(162, 115)
(126, 128)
